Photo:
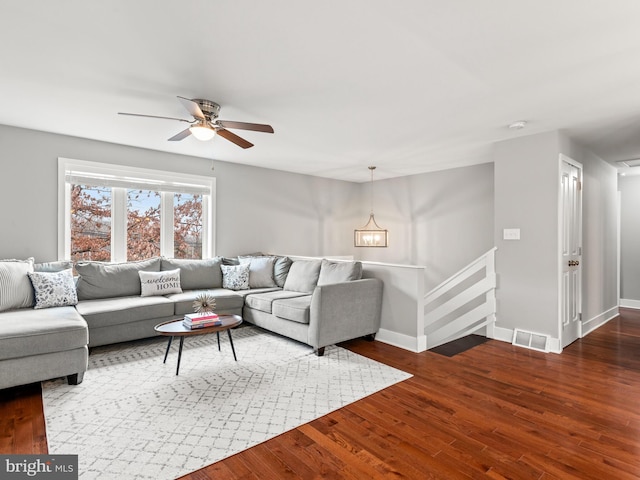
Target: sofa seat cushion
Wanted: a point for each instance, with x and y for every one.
(116, 311)
(264, 301)
(27, 332)
(294, 309)
(226, 300)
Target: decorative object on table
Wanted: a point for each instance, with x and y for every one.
(371, 235)
(204, 316)
(204, 303)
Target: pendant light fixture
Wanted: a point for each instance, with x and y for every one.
(371, 235)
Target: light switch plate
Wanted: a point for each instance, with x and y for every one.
(511, 234)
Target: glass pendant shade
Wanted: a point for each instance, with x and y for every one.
(202, 132)
(371, 235)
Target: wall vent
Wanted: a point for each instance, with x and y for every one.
(534, 341)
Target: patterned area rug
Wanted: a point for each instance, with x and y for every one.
(133, 418)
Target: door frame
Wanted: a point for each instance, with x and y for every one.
(561, 160)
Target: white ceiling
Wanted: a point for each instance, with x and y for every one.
(410, 86)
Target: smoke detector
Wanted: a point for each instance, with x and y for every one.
(519, 125)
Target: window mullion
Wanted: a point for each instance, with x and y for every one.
(166, 224)
(119, 224)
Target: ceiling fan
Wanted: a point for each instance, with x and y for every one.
(205, 124)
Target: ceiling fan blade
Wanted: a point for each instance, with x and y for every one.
(192, 107)
(232, 137)
(258, 127)
(154, 116)
(180, 136)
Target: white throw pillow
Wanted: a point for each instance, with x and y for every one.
(235, 277)
(54, 289)
(15, 288)
(160, 283)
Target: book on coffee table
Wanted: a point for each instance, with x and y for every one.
(201, 320)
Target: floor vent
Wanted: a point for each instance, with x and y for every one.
(534, 341)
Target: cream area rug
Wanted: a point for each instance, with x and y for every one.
(133, 418)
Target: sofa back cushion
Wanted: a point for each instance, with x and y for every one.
(15, 287)
(303, 276)
(196, 274)
(337, 272)
(106, 280)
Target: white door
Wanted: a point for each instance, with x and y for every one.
(570, 251)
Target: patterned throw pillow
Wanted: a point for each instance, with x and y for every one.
(54, 289)
(15, 288)
(235, 277)
(160, 283)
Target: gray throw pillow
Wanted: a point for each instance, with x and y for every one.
(337, 272)
(281, 270)
(303, 276)
(106, 280)
(260, 271)
(196, 274)
(15, 288)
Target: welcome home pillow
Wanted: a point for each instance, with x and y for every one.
(159, 283)
(235, 277)
(54, 289)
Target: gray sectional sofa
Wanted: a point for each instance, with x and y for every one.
(316, 302)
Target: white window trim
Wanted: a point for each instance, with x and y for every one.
(154, 177)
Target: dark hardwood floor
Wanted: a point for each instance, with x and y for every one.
(494, 411)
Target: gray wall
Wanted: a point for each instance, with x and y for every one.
(630, 238)
(526, 197)
(257, 209)
(442, 220)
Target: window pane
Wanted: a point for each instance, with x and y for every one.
(187, 225)
(143, 224)
(90, 223)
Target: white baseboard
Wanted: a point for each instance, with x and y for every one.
(590, 325)
(406, 342)
(629, 303)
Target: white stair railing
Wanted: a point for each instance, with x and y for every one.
(448, 320)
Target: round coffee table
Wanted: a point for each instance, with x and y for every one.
(175, 328)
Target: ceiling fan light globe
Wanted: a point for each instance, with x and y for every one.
(202, 133)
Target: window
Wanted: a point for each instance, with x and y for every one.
(115, 213)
